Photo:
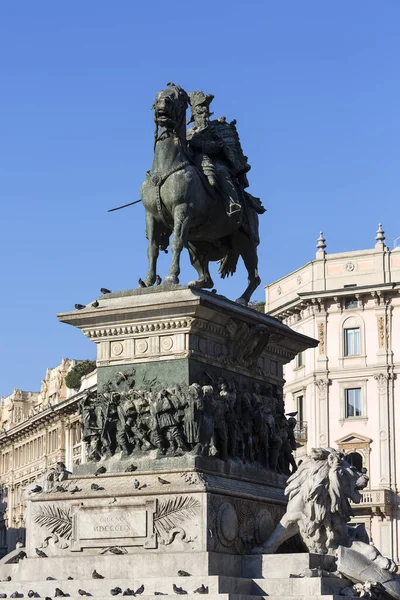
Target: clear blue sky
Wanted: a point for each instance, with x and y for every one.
(314, 86)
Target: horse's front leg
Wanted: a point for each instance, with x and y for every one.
(152, 234)
(181, 230)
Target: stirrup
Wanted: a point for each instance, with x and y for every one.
(233, 208)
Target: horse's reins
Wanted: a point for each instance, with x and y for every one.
(157, 180)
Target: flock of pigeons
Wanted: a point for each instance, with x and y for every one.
(114, 591)
(103, 291)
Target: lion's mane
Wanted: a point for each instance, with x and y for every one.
(317, 493)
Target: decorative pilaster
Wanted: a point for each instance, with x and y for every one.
(382, 380)
(323, 412)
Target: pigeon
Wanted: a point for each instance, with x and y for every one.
(113, 500)
(96, 487)
(130, 469)
(183, 573)
(136, 483)
(178, 590)
(140, 590)
(100, 471)
(142, 283)
(128, 592)
(47, 598)
(31, 594)
(83, 593)
(213, 291)
(79, 306)
(5, 595)
(15, 595)
(76, 489)
(21, 554)
(8, 578)
(70, 577)
(60, 488)
(143, 486)
(96, 575)
(40, 553)
(114, 550)
(115, 591)
(158, 280)
(36, 489)
(59, 593)
(50, 578)
(95, 304)
(160, 594)
(105, 291)
(203, 589)
(163, 481)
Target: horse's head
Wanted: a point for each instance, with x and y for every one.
(170, 107)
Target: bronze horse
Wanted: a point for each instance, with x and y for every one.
(178, 200)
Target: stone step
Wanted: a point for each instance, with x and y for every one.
(106, 595)
(299, 586)
(127, 566)
(283, 565)
(215, 584)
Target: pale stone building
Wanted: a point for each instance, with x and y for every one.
(37, 429)
(345, 391)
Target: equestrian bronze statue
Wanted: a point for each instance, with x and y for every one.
(196, 190)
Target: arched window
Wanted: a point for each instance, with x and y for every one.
(352, 334)
(356, 460)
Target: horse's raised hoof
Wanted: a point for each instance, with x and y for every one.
(242, 301)
(200, 284)
(171, 279)
(142, 283)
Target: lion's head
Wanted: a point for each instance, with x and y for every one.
(319, 494)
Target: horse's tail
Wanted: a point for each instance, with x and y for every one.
(228, 264)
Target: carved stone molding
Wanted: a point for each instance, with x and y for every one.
(382, 381)
(381, 332)
(321, 337)
(140, 328)
(322, 386)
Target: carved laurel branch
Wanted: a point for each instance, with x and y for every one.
(171, 514)
(57, 519)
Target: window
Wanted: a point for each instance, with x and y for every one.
(299, 360)
(352, 402)
(352, 341)
(300, 408)
(350, 302)
(355, 459)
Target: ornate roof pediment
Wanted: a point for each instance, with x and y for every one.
(353, 438)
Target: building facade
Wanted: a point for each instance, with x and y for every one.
(37, 429)
(346, 390)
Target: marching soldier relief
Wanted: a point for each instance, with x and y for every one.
(215, 419)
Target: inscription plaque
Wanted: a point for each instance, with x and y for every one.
(127, 525)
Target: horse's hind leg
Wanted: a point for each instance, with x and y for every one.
(200, 262)
(153, 236)
(248, 252)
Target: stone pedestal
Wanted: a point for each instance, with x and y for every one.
(190, 498)
(155, 510)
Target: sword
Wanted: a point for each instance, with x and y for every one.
(123, 206)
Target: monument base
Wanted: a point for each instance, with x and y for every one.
(175, 504)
